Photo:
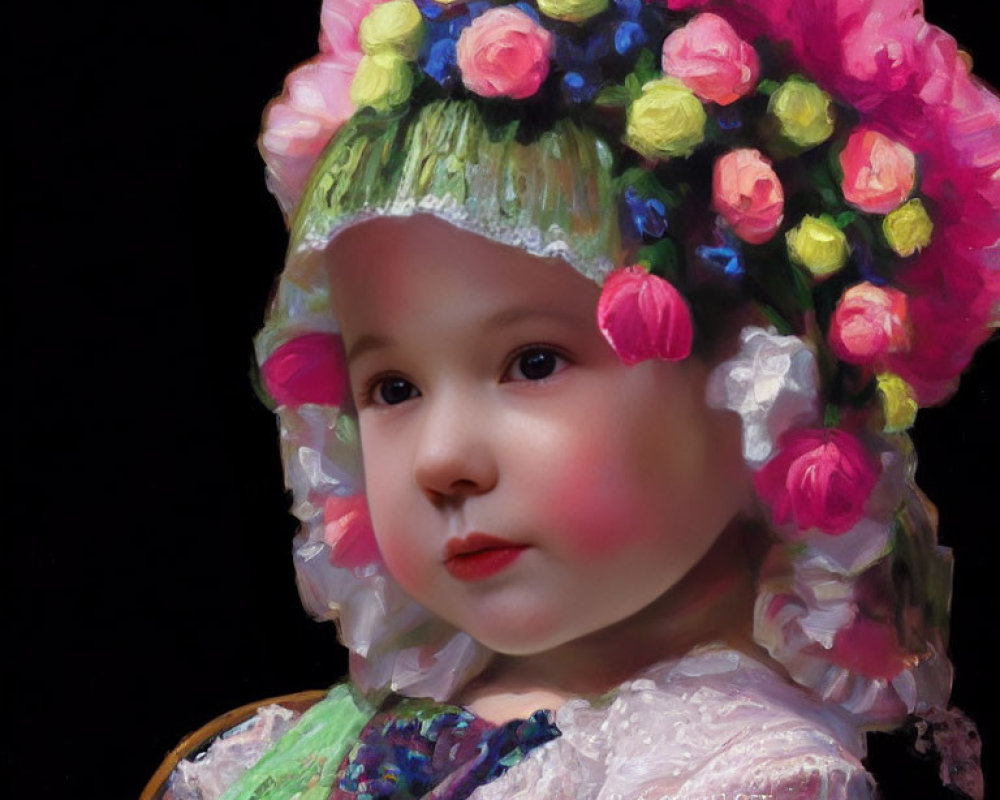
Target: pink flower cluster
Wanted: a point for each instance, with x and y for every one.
(919, 105)
(708, 57)
(643, 316)
(307, 369)
(878, 173)
(747, 193)
(870, 323)
(820, 478)
(315, 102)
(504, 53)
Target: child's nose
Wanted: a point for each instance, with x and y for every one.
(454, 458)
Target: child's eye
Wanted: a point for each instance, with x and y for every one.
(391, 391)
(535, 364)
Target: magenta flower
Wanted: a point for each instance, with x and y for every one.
(869, 323)
(878, 173)
(821, 478)
(348, 532)
(708, 57)
(643, 316)
(504, 53)
(308, 369)
(747, 193)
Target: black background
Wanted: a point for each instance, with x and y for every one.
(146, 560)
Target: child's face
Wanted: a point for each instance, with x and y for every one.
(489, 403)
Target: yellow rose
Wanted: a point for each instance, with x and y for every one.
(394, 26)
(908, 229)
(572, 10)
(899, 403)
(667, 120)
(818, 245)
(383, 81)
(804, 112)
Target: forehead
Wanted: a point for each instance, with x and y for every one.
(388, 269)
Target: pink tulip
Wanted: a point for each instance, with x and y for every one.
(708, 57)
(869, 323)
(820, 478)
(348, 532)
(747, 193)
(308, 369)
(643, 316)
(504, 53)
(878, 173)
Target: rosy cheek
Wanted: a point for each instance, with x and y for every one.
(599, 511)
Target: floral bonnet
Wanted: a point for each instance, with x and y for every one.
(832, 162)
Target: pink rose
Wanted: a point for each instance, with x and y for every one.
(708, 57)
(820, 478)
(878, 172)
(339, 22)
(869, 323)
(307, 369)
(314, 104)
(643, 316)
(504, 53)
(348, 532)
(298, 124)
(748, 195)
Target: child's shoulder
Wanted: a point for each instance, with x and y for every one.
(713, 724)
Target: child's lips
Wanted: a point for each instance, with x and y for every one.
(479, 555)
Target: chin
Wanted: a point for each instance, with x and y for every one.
(520, 637)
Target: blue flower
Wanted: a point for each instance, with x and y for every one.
(578, 87)
(725, 256)
(861, 255)
(430, 9)
(649, 215)
(629, 8)
(628, 37)
(440, 63)
(729, 118)
(726, 259)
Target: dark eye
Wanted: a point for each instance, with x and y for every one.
(535, 364)
(393, 391)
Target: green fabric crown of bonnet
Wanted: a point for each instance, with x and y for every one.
(548, 198)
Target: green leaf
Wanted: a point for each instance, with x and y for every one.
(616, 96)
(768, 87)
(831, 417)
(633, 86)
(660, 259)
(844, 219)
(646, 68)
(773, 316)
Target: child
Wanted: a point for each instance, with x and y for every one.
(540, 253)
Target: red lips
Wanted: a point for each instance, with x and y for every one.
(479, 555)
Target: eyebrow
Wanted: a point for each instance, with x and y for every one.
(504, 318)
(366, 343)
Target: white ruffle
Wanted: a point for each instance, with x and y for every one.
(714, 724)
